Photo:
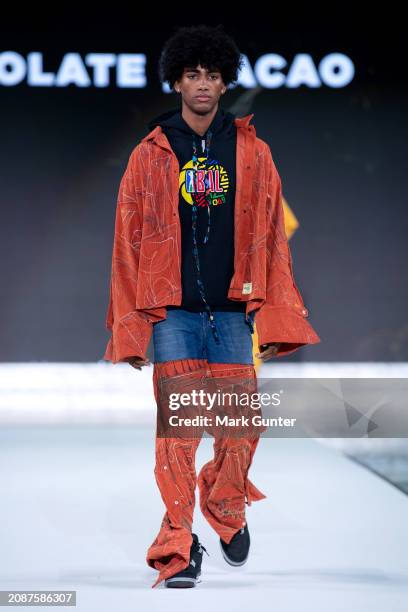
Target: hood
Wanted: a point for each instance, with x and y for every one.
(172, 121)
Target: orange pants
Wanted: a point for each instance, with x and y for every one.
(223, 482)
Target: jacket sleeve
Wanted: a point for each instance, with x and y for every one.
(131, 329)
(282, 317)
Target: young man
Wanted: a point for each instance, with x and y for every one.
(199, 254)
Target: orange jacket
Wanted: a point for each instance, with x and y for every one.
(146, 258)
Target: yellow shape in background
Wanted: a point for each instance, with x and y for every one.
(291, 225)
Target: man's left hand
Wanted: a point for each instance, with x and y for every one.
(268, 351)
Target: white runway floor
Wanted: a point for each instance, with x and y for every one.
(79, 507)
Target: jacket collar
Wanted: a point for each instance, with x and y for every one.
(157, 135)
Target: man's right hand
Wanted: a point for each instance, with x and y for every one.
(137, 362)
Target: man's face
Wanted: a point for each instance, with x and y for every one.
(200, 88)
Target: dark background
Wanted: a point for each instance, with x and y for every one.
(341, 154)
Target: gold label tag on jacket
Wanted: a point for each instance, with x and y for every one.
(247, 288)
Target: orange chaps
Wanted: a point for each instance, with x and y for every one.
(224, 486)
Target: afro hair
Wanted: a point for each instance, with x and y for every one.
(209, 46)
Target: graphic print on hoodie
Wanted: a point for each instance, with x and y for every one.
(216, 257)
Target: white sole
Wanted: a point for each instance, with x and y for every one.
(175, 579)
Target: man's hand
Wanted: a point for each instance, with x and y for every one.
(268, 351)
(137, 362)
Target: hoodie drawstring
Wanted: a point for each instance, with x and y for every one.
(194, 227)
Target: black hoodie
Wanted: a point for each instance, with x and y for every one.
(216, 257)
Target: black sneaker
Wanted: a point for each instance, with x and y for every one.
(187, 577)
(236, 552)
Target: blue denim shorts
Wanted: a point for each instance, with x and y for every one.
(188, 335)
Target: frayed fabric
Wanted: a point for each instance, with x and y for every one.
(223, 483)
